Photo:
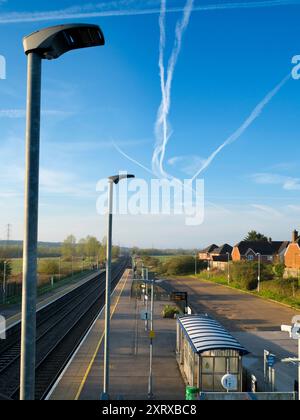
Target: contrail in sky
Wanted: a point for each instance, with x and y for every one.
(240, 131)
(162, 128)
(128, 8)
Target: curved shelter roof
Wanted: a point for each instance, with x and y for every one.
(206, 334)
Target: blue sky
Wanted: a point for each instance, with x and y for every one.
(229, 61)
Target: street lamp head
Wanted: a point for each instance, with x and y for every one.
(116, 179)
(51, 43)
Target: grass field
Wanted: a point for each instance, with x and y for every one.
(66, 266)
(164, 258)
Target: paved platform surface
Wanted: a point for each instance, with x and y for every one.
(13, 313)
(83, 378)
(255, 322)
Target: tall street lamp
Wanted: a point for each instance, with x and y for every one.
(228, 274)
(259, 272)
(152, 334)
(113, 180)
(47, 44)
(4, 282)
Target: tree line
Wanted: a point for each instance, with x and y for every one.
(87, 247)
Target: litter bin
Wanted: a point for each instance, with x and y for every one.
(192, 393)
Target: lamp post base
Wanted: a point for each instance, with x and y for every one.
(104, 397)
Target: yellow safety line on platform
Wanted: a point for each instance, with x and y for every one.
(98, 346)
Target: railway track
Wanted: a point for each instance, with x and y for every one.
(60, 328)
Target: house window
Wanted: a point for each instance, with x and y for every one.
(250, 257)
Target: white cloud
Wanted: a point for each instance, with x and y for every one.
(267, 210)
(90, 146)
(21, 113)
(128, 8)
(295, 208)
(286, 182)
(187, 164)
(284, 166)
(65, 183)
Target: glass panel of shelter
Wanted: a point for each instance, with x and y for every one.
(214, 365)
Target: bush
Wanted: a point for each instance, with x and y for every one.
(170, 312)
(50, 267)
(179, 266)
(152, 262)
(245, 274)
(279, 270)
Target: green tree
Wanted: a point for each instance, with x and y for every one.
(254, 236)
(81, 248)
(116, 252)
(49, 267)
(102, 254)
(8, 270)
(279, 270)
(245, 274)
(69, 247)
(178, 266)
(92, 246)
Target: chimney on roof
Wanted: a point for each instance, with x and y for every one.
(295, 235)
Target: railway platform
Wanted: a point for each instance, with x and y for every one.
(82, 379)
(13, 313)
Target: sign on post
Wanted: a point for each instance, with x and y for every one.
(179, 297)
(152, 335)
(230, 382)
(271, 360)
(145, 316)
(295, 334)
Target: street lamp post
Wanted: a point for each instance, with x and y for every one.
(114, 180)
(228, 275)
(4, 281)
(48, 44)
(150, 382)
(259, 272)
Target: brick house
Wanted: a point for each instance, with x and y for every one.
(217, 257)
(292, 254)
(206, 254)
(270, 251)
(222, 251)
(220, 257)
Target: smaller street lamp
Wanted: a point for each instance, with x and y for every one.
(259, 272)
(113, 180)
(228, 275)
